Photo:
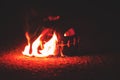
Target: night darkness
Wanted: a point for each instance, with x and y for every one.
(95, 22)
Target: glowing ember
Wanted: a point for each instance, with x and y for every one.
(69, 32)
(43, 46)
(53, 18)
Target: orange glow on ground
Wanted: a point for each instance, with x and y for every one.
(17, 60)
(14, 65)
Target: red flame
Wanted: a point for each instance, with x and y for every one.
(69, 32)
(53, 18)
(47, 46)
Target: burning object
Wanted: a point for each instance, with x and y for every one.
(47, 43)
(44, 45)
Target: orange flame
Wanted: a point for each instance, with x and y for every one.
(46, 47)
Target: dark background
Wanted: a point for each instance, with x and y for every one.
(96, 22)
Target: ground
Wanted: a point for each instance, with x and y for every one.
(15, 66)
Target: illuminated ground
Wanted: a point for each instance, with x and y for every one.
(15, 66)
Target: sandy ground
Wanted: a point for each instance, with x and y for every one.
(15, 66)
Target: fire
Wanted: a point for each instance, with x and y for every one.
(48, 43)
(43, 46)
(70, 32)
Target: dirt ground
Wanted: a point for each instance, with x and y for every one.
(15, 66)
